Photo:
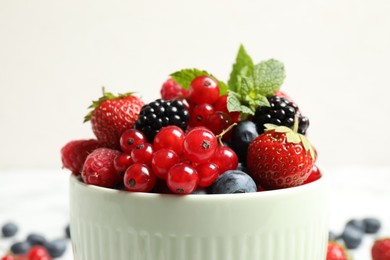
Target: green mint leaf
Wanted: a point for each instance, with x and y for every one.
(268, 76)
(242, 66)
(247, 110)
(233, 101)
(186, 76)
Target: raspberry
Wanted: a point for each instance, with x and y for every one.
(280, 112)
(74, 153)
(160, 113)
(99, 168)
(171, 90)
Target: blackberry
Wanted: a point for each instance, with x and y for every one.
(161, 113)
(280, 112)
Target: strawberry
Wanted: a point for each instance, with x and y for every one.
(73, 154)
(112, 115)
(380, 250)
(314, 175)
(280, 157)
(336, 252)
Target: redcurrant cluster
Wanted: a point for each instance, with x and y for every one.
(34, 253)
(207, 107)
(184, 160)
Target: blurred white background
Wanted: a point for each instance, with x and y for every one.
(56, 55)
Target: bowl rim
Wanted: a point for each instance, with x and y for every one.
(76, 181)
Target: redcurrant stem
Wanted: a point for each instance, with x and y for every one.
(219, 136)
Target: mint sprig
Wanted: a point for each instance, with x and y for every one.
(252, 84)
(184, 78)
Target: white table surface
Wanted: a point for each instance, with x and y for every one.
(37, 200)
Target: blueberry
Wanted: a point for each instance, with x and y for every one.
(352, 236)
(242, 135)
(67, 231)
(359, 224)
(56, 248)
(36, 239)
(20, 248)
(199, 190)
(332, 236)
(233, 181)
(372, 225)
(9, 229)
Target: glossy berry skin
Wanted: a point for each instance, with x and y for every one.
(130, 139)
(217, 122)
(159, 114)
(99, 168)
(182, 178)
(38, 253)
(170, 137)
(199, 114)
(314, 175)
(225, 158)
(36, 239)
(208, 172)
(199, 145)
(275, 163)
(139, 178)
(8, 257)
(233, 181)
(142, 153)
(112, 115)
(335, 251)
(74, 153)
(122, 162)
(9, 229)
(221, 105)
(203, 89)
(171, 90)
(380, 250)
(162, 161)
(280, 112)
(20, 248)
(242, 135)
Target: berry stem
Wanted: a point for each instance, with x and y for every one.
(219, 136)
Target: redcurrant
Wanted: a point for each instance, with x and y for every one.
(142, 153)
(122, 162)
(170, 137)
(217, 122)
(38, 253)
(162, 161)
(130, 139)
(182, 178)
(199, 114)
(203, 89)
(139, 177)
(225, 158)
(207, 172)
(221, 105)
(199, 145)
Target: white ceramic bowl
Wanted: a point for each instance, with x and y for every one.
(286, 224)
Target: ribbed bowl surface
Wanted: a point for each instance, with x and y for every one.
(288, 224)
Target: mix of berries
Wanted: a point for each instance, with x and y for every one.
(202, 136)
(35, 246)
(341, 246)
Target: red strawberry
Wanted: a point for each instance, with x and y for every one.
(380, 250)
(280, 157)
(99, 168)
(336, 252)
(314, 175)
(112, 115)
(74, 153)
